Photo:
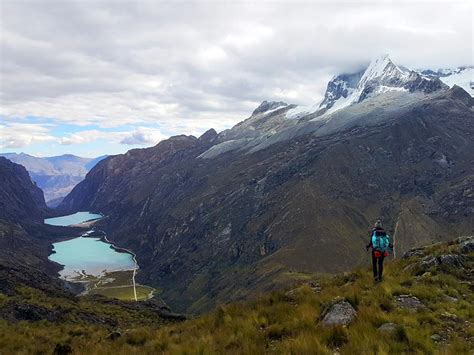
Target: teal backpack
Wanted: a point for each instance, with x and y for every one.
(380, 242)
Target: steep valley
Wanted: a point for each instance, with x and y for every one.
(228, 227)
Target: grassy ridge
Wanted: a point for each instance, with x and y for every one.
(279, 322)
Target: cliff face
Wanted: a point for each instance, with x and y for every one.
(213, 230)
(20, 199)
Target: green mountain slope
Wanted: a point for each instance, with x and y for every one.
(423, 306)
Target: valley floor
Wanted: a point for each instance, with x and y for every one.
(439, 319)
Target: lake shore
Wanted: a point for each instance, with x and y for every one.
(119, 284)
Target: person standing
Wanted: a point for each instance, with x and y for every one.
(380, 244)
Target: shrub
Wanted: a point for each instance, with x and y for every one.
(401, 334)
(276, 332)
(337, 337)
(136, 338)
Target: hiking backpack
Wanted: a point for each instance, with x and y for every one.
(380, 242)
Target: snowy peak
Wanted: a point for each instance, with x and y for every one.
(380, 67)
(461, 76)
(340, 86)
(380, 76)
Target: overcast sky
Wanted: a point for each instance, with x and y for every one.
(96, 77)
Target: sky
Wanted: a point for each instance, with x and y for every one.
(102, 77)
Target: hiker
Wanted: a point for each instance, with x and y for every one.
(379, 242)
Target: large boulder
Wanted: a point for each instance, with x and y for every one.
(341, 313)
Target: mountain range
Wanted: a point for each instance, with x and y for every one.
(292, 191)
(57, 175)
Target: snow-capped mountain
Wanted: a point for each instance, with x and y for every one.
(462, 76)
(363, 98)
(381, 75)
(341, 86)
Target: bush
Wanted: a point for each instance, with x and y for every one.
(136, 338)
(401, 334)
(276, 332)
(337, 337)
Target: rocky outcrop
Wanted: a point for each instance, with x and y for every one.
(341, 313)
(453, 261)
(466, 245)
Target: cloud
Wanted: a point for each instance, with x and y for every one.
(187, 67)
(17, 135)
(138, 136)
(82, 137)
(143, 136)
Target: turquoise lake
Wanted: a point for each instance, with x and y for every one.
(86, 255)
(71, 219)
(90, 256)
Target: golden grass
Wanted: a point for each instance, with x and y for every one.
(284, 322)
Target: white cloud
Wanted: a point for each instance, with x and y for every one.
(187, 67)
(143, 136)
(17, 135)
(82, 137)
(138, 136)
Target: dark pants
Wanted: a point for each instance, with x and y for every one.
(377, 262)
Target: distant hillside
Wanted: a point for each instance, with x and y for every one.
(21, 201)
(57, 175)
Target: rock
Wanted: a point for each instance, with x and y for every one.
(414, 252)
(466, 244)
(387, 327)
(463, 239)
(451, 260)
(315, 286)
(449, 316)
(428, 262)
(114, 335)
(450, 299)
(341, 313)
(409, 302)
(436, 338)
(171, 316)
(467, 247)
